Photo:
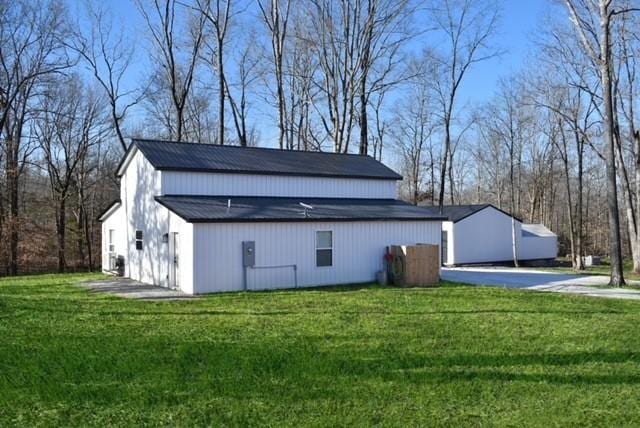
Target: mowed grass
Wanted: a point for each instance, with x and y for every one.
(602, 269)
(354, 356)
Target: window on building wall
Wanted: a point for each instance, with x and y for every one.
(111, 249)
(138, 240)
(324, 248)
(112, 246)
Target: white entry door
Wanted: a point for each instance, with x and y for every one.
(175, 260)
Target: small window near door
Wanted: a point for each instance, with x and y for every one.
(138, 240)
(324, 248)
(111, 248)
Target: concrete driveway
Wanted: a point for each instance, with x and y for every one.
(130, 289)
(529, 279)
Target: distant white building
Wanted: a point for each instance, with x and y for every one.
(538, 242)
(209, 218)
(476, 234)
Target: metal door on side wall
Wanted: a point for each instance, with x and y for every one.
(175, 260)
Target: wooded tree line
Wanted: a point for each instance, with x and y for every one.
(379, 77)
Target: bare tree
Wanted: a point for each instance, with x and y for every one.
(247, 73)
(357, 44)
(626, 128)
(108, 54)
(381, 126)
(570, 111)
(177, 56)
(411, 133)
(467, 26)
(31, 50)
(568, 87)
(384, 32)
(275, 15)
(218, 14)
(71, 120)
(301, 67)
(592, 22)
(507, 121)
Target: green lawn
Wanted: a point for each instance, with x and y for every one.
(351, 356)
(603, 269)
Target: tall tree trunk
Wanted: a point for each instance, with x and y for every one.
(514, 237)
(80, 225)
(2, 224)
(364, 125)
(180, 118)
(60, 233)
(578, 257)
(572, 229)
(279, 35)
(617, 275)
(221, 91)
(636, 141)
(432, 172)
(89, 243)
(12, 176)
(450, 173)
(627, 199)
(443, 171)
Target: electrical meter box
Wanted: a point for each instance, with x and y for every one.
(248, 253)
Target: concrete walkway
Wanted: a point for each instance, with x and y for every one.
(130, 289)
(529, 279)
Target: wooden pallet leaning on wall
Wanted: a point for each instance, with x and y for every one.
(421, 265)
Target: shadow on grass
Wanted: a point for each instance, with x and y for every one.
(537, 378)
(433, 369)
(126, 287)
(190, 311)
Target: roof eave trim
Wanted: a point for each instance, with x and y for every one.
(110, 210)
(308, 220)
(484, 208)
(395, 177)
(159, 200)
(126, 160)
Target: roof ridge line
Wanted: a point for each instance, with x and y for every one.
(181, 195)
(228, 146)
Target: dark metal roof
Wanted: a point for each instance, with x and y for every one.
(211, 209)
(172, 156)
(456, 213)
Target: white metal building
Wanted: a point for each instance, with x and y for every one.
(209, 218)
(538, 242)
(476, 234)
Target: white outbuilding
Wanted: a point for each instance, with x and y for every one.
(479, 234)
(208, 218)
(538, 243)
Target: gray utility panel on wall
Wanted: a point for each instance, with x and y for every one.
(248, 253)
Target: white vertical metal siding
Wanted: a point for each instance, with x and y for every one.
(187, 255)
(448, 227)
(358, 249)
(197, 183)
(484, 237)
(140, 183)
(116, 222)
(538, 247)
